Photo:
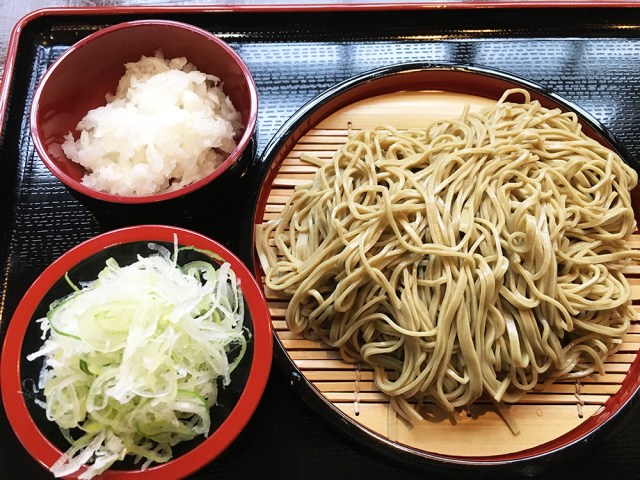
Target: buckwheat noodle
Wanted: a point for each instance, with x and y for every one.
(479, 256)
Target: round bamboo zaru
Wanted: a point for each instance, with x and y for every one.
(477, 430)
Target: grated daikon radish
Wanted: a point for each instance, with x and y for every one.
(168, 125)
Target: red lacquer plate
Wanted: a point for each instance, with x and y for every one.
(554, 427)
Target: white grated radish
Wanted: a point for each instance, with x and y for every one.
(167, 126)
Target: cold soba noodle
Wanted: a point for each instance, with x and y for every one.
(479, 256)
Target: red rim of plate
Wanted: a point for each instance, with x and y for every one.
(247, 134)
(42, 449)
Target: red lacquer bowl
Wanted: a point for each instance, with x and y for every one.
(18, 377)
(79, 80)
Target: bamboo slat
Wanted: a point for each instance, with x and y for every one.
(478, 430)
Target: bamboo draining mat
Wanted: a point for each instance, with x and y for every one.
(478, 430)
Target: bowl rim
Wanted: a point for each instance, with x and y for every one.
(41, 449)
(379, 81)
(244, 141)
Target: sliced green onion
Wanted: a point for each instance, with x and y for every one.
(132, 359)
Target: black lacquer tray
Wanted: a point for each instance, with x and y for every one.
(588, 55)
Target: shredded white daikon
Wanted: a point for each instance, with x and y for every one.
(132, 360)
(167, 126)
